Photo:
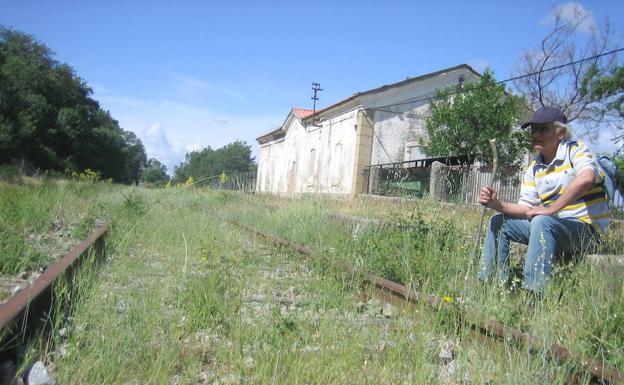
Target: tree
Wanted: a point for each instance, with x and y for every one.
(154, 172)
(607, 92)
(232, 158)
(570, 53)
(48, 118)
(462, 123)
(619, 162)
(133, 156)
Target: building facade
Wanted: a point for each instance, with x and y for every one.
(329, 151)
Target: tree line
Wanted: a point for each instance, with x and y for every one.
(233, 158)
(203, 165)
(49, 120)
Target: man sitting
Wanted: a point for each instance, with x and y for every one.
(562, 206)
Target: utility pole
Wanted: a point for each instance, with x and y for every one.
(315, 87)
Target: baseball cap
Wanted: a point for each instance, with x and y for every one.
(546, 115)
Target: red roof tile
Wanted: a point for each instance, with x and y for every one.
(302, 112)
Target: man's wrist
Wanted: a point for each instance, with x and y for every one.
(496, 205)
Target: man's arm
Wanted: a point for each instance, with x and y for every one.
(487, 197)
(581, 183)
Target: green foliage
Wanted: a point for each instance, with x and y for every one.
(209, 301)
(609, 88)
(23, 212)
(11, 174)
(134, 203)
(154, 172)
(619, 162)
(185, 292)
(12, 243)
(607, 91)
(232, 158)
(463, 123)
(413, 243)
(48, 118)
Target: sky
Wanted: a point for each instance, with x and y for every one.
(189, 74)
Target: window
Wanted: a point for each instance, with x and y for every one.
(336, 165)
(312, 167)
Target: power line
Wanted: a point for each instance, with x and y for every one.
(429, 98)
(414, 116)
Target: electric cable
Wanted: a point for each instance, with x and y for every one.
(429, 98)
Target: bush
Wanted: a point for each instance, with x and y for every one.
(11, 174)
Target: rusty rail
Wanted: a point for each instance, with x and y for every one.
(24, 310)
(495, 329)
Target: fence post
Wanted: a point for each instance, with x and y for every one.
(373, 180)
(436, 183)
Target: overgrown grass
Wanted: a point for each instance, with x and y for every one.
(173, 302)
(427, 245)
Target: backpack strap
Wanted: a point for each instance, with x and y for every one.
(597, 164)
(570, 144)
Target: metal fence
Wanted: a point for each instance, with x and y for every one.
(245, 182)
(462, 184)
(455, 183)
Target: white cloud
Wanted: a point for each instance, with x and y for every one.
(190, 82)
(573, 12)
(169, 129)
(157, 145)
(191, 87)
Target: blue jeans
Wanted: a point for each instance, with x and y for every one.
(547, 239)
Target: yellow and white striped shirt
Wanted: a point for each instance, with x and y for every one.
(544, 183)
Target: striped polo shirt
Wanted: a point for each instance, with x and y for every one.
(544, 183)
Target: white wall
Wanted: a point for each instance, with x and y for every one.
(313, 159)
(396, 126)
(321, 158)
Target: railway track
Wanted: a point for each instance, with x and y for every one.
(387, 291)
(29, 311)
(398, 294)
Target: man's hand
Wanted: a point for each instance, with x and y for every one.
(488, 197)
(539, 210)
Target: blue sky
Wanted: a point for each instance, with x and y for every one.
(185, 75)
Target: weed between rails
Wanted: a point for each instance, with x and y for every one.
(581, 308)
(147, 322)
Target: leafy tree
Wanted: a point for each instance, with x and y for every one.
(232, 158)
(619, 162)
(154, 172)
(462, 123)
(48, 118)
(607, 92)
(134, 157)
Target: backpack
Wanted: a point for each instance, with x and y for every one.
(611, 177)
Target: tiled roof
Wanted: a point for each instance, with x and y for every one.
(302, 112)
